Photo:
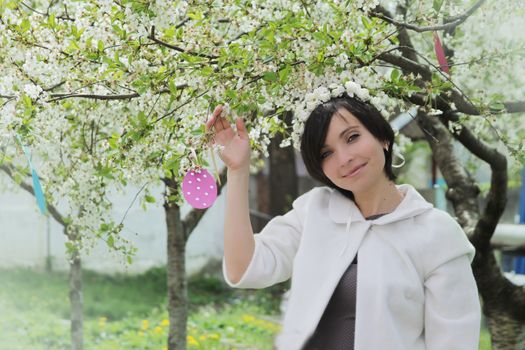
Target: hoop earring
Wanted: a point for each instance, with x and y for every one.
(400, 156)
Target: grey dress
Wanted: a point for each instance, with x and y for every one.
(335, 330)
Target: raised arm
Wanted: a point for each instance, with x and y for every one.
(239, 243)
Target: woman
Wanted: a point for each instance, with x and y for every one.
(373, 265)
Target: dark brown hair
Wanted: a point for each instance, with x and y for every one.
(316, 129)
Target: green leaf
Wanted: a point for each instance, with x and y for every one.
(498, 106)
(25, 25)
(197, 16)
(100, 46)
(27, 101)
(284, 73)
(270, 76)
(437, 5)
(51, 21)
(172, 87)
(199, 131)
(366, 22)
(104, 171)
(111, 242)
(149, 199)
(172, 164)
(394, 76)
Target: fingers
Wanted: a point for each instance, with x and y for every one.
(217, 121)
(241, 128)
(213, 117)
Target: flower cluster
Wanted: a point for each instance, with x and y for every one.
(321, 95)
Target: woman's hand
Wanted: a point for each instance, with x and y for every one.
(236, 151)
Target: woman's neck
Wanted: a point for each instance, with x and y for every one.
(380, 199)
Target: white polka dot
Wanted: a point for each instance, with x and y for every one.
(188, 193)
(198, 188)
(192, 174)
(190, 182)
(206, 193)
(204, 175)
(197, 199)
(203, 203)
(198, 179)
(211, 186)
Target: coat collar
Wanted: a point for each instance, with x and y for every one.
(344, 211)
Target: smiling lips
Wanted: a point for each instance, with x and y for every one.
(355, 171)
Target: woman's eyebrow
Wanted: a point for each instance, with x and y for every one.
(342, 134)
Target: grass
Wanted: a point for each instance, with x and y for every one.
(129, 312)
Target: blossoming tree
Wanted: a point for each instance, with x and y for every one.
(111, 93)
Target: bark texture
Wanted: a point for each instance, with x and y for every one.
(176, 274)
(283, 183)
(76, 300)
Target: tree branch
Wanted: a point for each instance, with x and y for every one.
(176, 48)
(406, 64)
(458, 98)
(57, 97)
(62, 17)
(452, 22)
(514, 107)
(463, 191)
(51, 208)
(497, 196)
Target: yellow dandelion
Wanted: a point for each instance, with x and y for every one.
(192, 341)
(202, 338)
(165, 322)
(214, 336)
(248, 318)
(157, 330)
(164, 348)
(102, 321)
(145, 325)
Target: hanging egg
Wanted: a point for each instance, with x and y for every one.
(199, 188)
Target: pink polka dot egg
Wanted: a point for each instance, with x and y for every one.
(199, 188)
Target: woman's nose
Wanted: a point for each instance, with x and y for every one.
(343, 158)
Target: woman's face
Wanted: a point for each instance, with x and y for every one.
(352, 158)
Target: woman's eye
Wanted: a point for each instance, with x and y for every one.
(352, 137)
(324, 155)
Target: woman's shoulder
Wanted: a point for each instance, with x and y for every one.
(316, 194)
(437, 219)
(442, 235)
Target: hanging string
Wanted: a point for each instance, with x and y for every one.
(37, 188)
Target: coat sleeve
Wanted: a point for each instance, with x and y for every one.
(275, 249)
(452, 308)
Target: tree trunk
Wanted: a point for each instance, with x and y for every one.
(283, 182)
(263, 201)
(503, 302)
(507, 333)
(76, 300)
(176, 274)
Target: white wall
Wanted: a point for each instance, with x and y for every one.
(26, 236)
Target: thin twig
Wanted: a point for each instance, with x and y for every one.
(176, 48)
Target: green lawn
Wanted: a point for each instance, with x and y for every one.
(129, 312)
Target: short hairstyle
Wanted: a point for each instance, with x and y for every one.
(316, 129)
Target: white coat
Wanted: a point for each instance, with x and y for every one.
(415, 287)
